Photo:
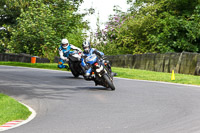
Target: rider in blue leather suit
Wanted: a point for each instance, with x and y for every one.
(87, 51)
(64, 51)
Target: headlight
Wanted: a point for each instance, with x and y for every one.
(99, 69)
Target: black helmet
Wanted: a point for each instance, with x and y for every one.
(86, 47)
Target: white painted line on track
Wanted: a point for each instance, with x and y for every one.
(17, 123)
(159, 82)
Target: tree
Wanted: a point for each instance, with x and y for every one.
(174, 28)
(157, 26)
(41, 27)
(10, 10)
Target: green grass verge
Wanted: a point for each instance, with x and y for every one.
(156, 76)
(125, 73)
(10, 110)
(36, 65)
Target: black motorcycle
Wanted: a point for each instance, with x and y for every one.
(75, 63)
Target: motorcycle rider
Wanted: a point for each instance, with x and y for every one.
(64, 51)
(87, 51)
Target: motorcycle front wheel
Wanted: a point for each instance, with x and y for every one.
(74, 72)
(109, 82)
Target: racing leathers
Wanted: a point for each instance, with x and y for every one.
(87, 68)
(64, 54)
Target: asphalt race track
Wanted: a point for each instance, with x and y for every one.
(68, 105)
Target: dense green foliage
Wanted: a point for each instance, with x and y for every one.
(150, 26)
(155, 26)
(9, 12)
(41, 26)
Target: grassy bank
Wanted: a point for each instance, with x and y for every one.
(124, 73)
(156, 76)
(36, 65)
(10, 110)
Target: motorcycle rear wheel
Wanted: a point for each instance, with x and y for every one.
(109, 82)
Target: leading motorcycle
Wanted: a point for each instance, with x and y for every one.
(100, 71)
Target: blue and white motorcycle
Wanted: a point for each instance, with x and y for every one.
(99, 70)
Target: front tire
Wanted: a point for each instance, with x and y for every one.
(109, 82)
(74, 72)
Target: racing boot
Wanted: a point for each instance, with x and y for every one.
(87, 75)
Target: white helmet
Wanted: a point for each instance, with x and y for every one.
(65, 43)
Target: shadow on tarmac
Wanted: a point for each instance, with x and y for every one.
(46, 86)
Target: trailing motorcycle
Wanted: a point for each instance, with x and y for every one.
(75, 63)
(100, 71)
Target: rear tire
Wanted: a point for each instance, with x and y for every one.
(109, 82)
